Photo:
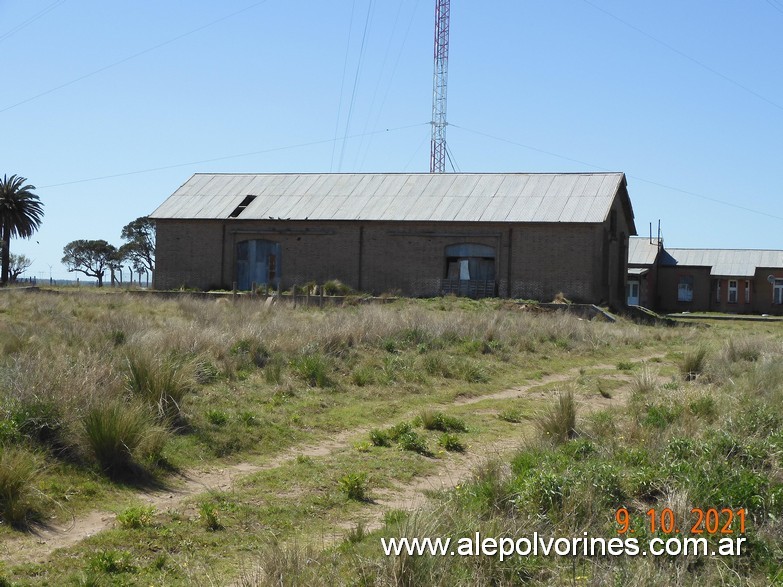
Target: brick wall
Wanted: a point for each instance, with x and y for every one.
(409, 257)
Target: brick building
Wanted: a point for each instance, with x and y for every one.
(742, 281)
(508, 234)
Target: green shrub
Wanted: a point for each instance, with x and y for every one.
(451, 442)
(413, 442)
(138, 516)
(625, 366)
(472, 372)
(314, 369)
(398, 430)
(380, 438)
(117, 434)
(208, 513)
(217, 417)
(512, 415)
(355, 486)
(439, 421)
(335, 287)
(559, 423)
(363, 375)
(18, 496)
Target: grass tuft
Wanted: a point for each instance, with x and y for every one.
(18, 497)
(120, 435)
(559, 423)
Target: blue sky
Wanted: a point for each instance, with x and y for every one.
(108, 107)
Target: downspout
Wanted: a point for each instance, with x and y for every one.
(508, 275)
(361, 256)
(223, 256)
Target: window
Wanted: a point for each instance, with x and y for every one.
(685, 289)
(470, 261)
(777, 292)
(747, 291)
(733, 291)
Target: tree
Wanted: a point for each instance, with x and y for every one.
(21, 212)
(140, 248)
(92, 258)
(17, 265)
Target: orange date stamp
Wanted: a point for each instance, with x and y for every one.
(709, 521)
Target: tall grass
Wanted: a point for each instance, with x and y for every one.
(161, 383)
(121, 437)
(558, 424)
(19, 501)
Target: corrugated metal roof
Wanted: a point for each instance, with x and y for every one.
(641, 251)
(725, 262)
(461, 197)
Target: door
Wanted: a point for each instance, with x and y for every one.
(258, 261)
(633, 293)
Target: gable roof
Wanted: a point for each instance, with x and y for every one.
(725, 262)
(641, 251)
(451, 197)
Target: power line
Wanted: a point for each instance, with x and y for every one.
(342, 85)
(41, 13)
(131, 57)
(686, 56)
(635, 177)
(355, 85)
(227, 157)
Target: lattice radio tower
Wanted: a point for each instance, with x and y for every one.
(439, 82)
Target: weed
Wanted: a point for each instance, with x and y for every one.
(364, 375)
(217, 417)
(693, 363)
(137, 517)
(413, 442)
(355, 486)
(625, 366)
(250, 351)
(559, 423)
(380, 438)
(451, 442)
(602, 391)
(439, 421)
(248, 418)
(512, 415)
(162, 384)
(704, 407)
(395, 432)
(111, 562)
(314, 369)
(273, 372)
(208, 514)
(115, 432)
(18, 498)
(392, 517)
(472, 372)
(645, 381)
(356, 534)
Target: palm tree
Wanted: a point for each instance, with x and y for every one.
(21, 212)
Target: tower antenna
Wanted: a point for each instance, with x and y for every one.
(439, 83)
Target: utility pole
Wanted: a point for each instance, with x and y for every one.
(439, 83)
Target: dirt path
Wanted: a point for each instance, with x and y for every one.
(37, 546)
